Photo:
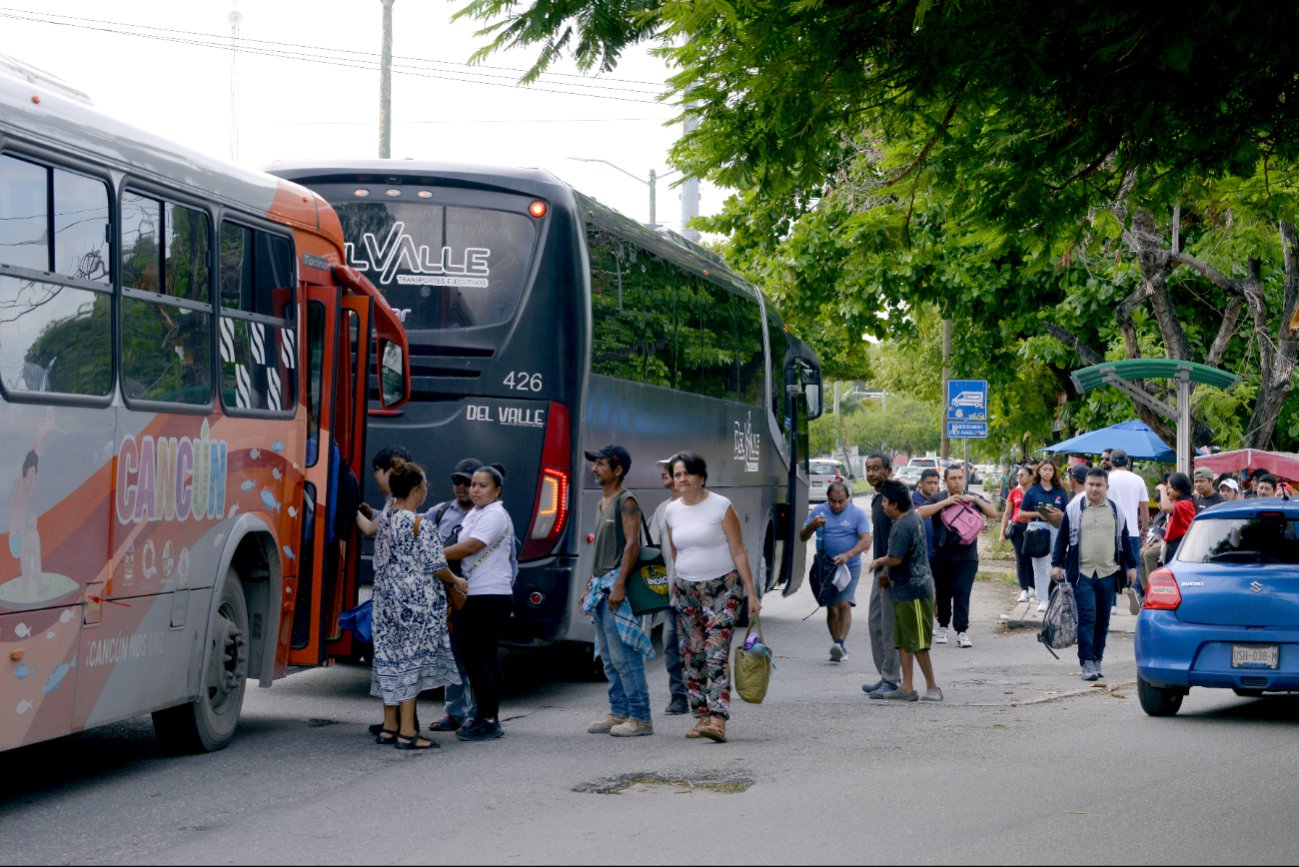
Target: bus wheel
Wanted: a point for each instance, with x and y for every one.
(208, 723)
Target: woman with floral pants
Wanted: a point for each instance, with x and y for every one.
(712, 577)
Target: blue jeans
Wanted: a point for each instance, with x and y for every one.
(672, 655)
(1095, 598)
(628, 690)
(461, 706)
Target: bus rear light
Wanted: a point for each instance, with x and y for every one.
(1162, 592)
(535, 598)
(538, 209)
(552, 503)
(550, 507)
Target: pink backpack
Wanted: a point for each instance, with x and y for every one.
(963, 521)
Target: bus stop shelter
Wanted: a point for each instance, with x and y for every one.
(1121, 375)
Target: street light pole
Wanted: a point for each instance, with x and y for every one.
(652, 183)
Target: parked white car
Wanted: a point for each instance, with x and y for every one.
(821, 472)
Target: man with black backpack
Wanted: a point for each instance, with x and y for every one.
(447, 516)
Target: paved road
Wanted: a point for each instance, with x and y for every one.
(1023, 764)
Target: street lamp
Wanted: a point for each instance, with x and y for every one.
(652, 183)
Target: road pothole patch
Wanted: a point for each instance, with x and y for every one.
(722, 783)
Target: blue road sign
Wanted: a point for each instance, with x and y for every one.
(967, 430)
(967, 400)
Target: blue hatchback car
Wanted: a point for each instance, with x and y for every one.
(1225, 612)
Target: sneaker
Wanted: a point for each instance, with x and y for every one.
(1023, 596)
(677, 706)
(940, 635)
(874, 687)
(885, 689)
(1041, 607)
(1114, 609)
(1090, 671)
(1134, 601)
(602, 727)
(480, 731)
(963, 640)
(900, 695)
(631, 728)
(1032, 593)
(934, 694)
(837, 653)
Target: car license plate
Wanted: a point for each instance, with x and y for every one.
(1254, 655)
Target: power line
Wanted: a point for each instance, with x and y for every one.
(297, 51)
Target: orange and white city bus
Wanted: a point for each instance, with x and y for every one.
(184, 359)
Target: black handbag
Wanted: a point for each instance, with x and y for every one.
(1037, 542)
(821, 579)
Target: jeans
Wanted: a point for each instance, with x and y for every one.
(461, 706)
(1042, 565)
(625, 668)
(1095, 597)
(672, 655)
(880, 620)
(953, 582)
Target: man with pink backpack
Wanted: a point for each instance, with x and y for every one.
(960, 517)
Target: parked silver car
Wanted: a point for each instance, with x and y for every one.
(823, 471)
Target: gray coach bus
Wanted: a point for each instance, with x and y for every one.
(542, 324)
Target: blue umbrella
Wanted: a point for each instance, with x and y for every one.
(1134, 437)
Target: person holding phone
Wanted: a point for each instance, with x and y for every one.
(1044, 500)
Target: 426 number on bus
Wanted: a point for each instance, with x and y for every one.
(521, 380)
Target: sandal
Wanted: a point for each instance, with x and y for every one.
(414, 742)
(714, 731)
(694, 732)
(391, 736)
(377, 728)
(446, 724)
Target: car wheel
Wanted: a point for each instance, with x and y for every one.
(1158, 700)
(1247, 693)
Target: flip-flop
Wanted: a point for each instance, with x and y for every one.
(446, 724)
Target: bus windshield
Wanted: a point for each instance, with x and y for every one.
(444, 266)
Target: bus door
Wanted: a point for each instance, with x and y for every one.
(803, 401)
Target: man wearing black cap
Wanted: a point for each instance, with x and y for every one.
(611, 565)
(448, 515)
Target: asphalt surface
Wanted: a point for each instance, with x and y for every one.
(1022, 764)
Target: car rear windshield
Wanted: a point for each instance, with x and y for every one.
(1262, 538)
(825, 468)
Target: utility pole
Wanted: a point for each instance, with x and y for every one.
(653, 188)
(946, 445)
(385, 84)
(689, 190)
(235, 19)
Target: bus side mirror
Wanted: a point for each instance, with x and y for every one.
(812, 394)
(394, 375)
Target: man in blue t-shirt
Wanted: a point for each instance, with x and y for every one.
(843, 531)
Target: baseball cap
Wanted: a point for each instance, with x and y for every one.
(1229, 483)
(663, 462)
(466, 468)
(1204, 473)
(617, 456)
(1079, 473)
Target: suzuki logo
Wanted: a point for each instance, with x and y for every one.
(1256, 587)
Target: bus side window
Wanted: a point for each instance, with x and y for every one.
(55, 332)
(258, 335)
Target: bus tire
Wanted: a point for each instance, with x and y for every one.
(208, 723)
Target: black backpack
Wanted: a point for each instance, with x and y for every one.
(821, 578)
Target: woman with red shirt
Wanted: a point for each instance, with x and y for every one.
(1175, 498)
(1012, 528)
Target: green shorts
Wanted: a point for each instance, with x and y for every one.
(913, 624)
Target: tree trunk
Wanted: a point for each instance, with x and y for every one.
(1276, 351)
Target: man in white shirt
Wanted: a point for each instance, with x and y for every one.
(1129, 493)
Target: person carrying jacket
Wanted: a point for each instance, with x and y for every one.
(1092, 553)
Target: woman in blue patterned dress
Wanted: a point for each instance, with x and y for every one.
(412, 650)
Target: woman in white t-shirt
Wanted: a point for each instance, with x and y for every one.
(486, 551)
(712, 579)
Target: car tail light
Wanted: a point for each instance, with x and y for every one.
(1162, 592)
(550, 508)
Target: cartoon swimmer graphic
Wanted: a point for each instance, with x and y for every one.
(24, 536)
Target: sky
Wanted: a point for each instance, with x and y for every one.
(308, 87)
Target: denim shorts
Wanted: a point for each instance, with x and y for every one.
(849, 593)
